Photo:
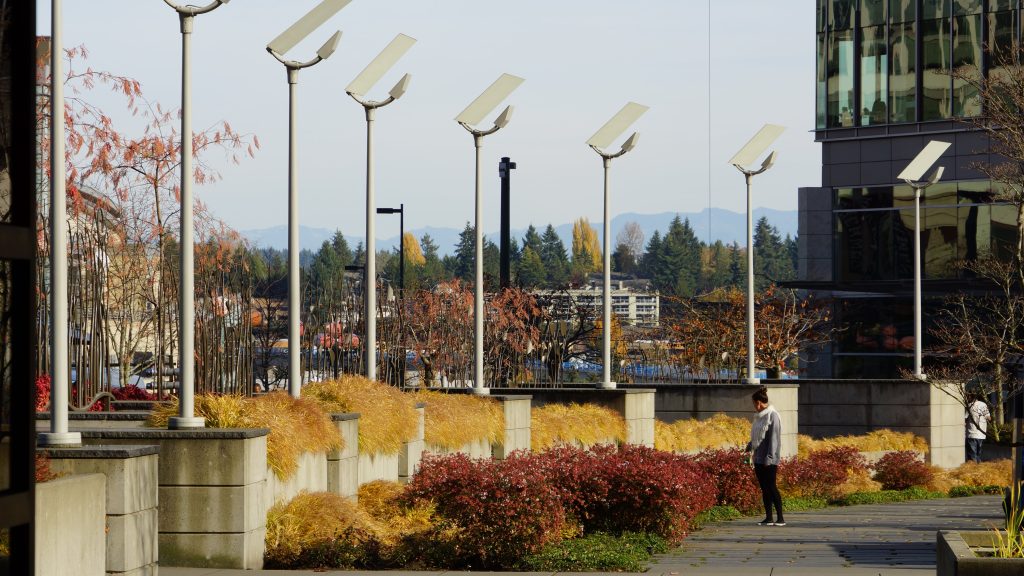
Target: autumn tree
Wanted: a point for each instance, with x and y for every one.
(586, 249)
(629, 246)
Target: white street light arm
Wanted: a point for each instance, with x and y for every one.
(323, 53)
(190, 10)
(397, 92)
(628, 145)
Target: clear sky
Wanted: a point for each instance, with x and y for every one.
(582, 60)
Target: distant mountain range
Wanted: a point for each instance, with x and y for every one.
(726, 225)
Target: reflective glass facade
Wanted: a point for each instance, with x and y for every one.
(874, 230)
(888, 61)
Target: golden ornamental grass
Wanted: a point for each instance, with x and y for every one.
(575, 424)
(309, 519)
(392, 521)
(876, 441)
(990, 473)
(296, 425)
(454, 420)
(719, 431)
(387, 416)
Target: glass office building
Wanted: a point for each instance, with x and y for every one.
(883, 91)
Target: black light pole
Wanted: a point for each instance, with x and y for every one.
(401, 268)
(505, 168)
(401, 242)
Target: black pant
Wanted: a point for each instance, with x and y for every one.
(769, 491)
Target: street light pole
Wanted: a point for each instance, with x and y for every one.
(186, 275)
(746, 156)
(356, 89)
(912, 173)
(277, 48)
(600, 140)
(401, 279)
(472, 115)
(58, 434)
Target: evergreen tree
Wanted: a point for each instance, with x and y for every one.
(717, 273)
(492, 266)
(531, 269)
(737, 266)
(462, 263)
(651, 259)
(679, 269)
(340, 247)
(433, 269)
(772, 262)
(554, 257)
(532, 240)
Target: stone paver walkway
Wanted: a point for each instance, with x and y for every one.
(871, 539)
(884, 539)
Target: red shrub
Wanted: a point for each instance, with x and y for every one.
(821, 473)
(572, 472)
(651, 491)
(734, 480)
(901, 470)
(131, 392)
(42, 392)
(503, 510)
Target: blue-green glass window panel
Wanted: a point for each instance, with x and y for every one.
(1004, 231)
(939, 241)
(962, 7)
(872, 12)
(821, 85)
(822, 14)
(936, 85)
(967, 58)
(840, 14)
(841, 102)
(932, 9)
(1001, 32)
(902, 74)
(874, 75)
(1000, 5)
(902, 10)
(864, 198)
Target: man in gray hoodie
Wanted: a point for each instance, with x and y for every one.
(765, 443)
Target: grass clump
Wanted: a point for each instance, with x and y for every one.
(716, 514)
(387, 417)
(315, 530)
(628, 552)
(296, 425)
(963, 491)
(581, 425)
(454, 420)
(719, 431)
(887, 496)
(876, 441)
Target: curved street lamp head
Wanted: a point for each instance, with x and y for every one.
(502, 120)
(190, 10)
(488, 101)
(304, 26)
(924, 160)
(615, 126)
(630, 143)
(769, 160)
(755, 147)
(330, 46)
(378, 67)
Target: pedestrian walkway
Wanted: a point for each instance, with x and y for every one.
(852, 540)
(883, 539)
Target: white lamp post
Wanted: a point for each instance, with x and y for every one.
(603, 138)
(58, 434)
(911, 175)
(745, 157)
(357, 89)
(186, 285)
(472, 115)
(277, 48)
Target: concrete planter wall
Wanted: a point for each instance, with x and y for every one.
(343, 464)
(480, 448)
(955, 556)
(839, 407)
(70, 522)
(211, 493)
(518, 413)
(131, 501)
(310, 476)
(412, 451)
(378, 467)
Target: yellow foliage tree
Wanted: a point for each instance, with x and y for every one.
(413, 252)
(586, 250)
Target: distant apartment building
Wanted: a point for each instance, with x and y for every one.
(634, 303)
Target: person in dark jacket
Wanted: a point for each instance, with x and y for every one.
(765, 443)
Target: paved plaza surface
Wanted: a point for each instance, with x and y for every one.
(882, 539)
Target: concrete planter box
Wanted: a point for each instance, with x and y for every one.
(131, 500)
(518, 412)
(956, 556)
(309, 476)
(479, 448)
(378, 467)
(212, 485)
(412, 451)
(70, 525)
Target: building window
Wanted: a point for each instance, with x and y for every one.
(841, 105)
(936, 85)
(902, 10)
(873, 75)
(967, 56)
(903, 73)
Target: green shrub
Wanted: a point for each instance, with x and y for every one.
(799, 504)
(961, 491)
(628, 552)
(716, 514)
(887, 496)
